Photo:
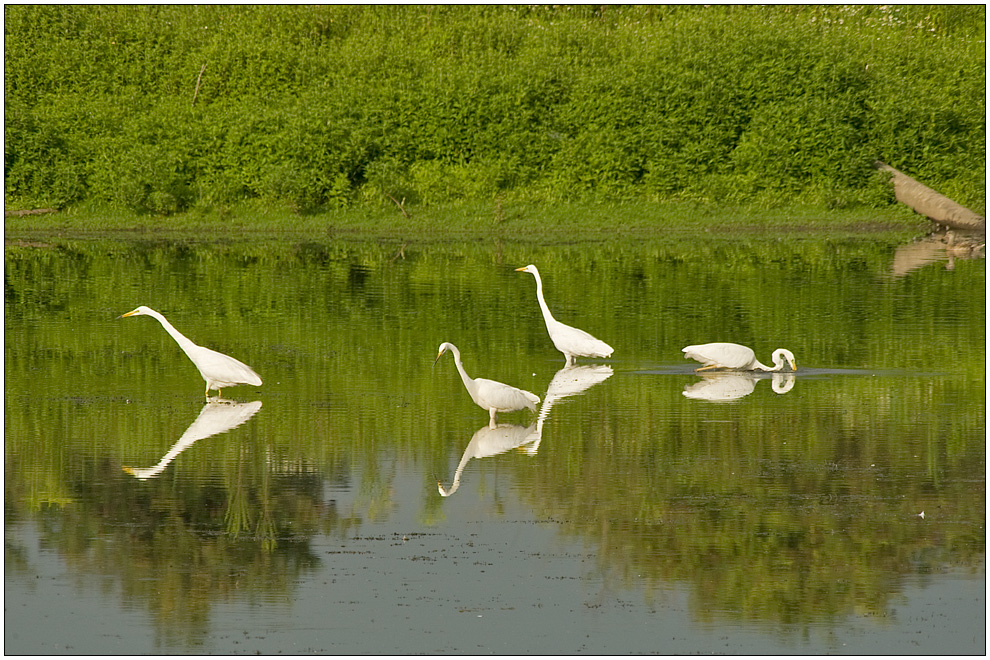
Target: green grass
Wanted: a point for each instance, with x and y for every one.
(586, 220)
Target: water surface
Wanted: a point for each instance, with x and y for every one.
(643, 508)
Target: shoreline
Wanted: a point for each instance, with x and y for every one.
(572, 222)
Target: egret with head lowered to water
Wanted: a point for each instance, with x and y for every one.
(217, 369)
(493, 396)
(572, 342)
(725, 355)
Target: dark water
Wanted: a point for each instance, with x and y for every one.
(642, 508)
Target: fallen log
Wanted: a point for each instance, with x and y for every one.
(931, 204)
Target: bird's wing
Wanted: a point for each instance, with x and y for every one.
(724, 354)
(568, 339)
(531, 397)
(224, 369)
(493, 394)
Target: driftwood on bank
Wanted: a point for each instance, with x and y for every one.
(17, 214)
(931, 204)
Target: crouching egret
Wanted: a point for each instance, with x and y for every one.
(724, 355)
(217, 369)
(493, 396)
(569, 341)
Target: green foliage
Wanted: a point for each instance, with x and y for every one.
(166, 108)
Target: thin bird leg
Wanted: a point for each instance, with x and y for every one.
(711, 366)
(491, 417)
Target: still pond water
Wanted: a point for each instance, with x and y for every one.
(642, 508)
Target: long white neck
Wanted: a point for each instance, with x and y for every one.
(547, 316)
(778, 364)
(184, 342)
(467, 380)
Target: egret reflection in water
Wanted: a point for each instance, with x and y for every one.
(567, 382)
(728, 386)
(217, 416)
(490, 441)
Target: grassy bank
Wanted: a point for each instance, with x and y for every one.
(171, 110)
(578, 221)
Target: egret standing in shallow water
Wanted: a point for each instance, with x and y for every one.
(572, 342)
(217, 369)
(493, 396)
(724, 355)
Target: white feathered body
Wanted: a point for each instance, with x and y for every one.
(726, 355)
(574, 342)
(493, 395)
(722, 354)
(219, 370)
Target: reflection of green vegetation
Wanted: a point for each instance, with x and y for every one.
(775, 515)
(175, 546)
(774, 507)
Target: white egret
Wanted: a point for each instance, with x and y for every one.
(217, 369)
(493, 396)
(572, 342)
(725, 355)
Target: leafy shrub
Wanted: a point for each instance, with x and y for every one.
(165, 108)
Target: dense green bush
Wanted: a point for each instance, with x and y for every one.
(167, 108)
